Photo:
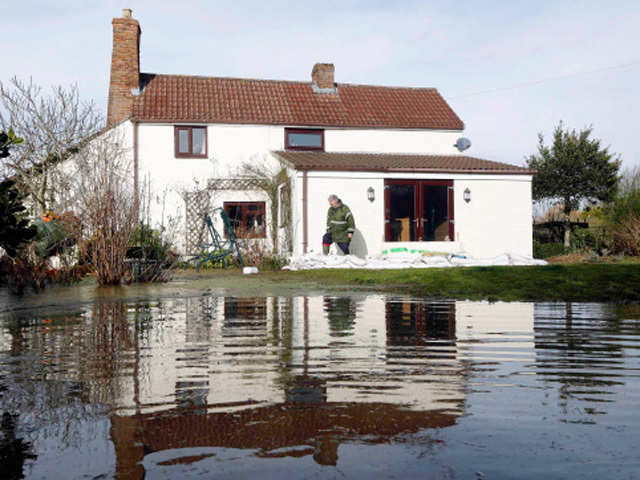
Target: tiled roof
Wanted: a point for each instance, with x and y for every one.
(396, 163)
(180, 98)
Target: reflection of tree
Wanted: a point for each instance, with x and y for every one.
(107, 344)
(13, 451)
(341, 314)
(64, 367)
(576, 348)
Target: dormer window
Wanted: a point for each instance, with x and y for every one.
(304, 139)
(190, 142)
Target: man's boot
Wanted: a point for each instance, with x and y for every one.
(326, 243)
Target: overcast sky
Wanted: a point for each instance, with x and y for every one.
(509, 69)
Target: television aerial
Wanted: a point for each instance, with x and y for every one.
(462, 144)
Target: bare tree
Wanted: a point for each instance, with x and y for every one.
(103, 198)
(54, 126)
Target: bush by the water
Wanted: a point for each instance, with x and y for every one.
(150, 256)
(30, 272)
(147, 242)
(256, 254)
(546, 250)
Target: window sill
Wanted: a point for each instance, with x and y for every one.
(305, 149)
(190, 156)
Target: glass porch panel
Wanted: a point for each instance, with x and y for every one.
(435, 213)
(402, 218)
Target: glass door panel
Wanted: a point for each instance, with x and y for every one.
(402, 213)
(435, 213)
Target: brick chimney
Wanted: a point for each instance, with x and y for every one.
(125, 67)
(322, 77)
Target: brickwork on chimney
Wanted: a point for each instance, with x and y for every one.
(322, 75)
(125, 68)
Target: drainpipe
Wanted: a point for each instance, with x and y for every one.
(304, 212)
(136, 196)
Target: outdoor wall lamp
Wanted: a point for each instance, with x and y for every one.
(371, 194)
(466, 195)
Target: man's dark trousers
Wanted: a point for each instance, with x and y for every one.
(327, 240)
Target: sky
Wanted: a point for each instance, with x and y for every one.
(510, 69)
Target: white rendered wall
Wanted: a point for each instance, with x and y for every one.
(392, 141)
(166, 176)
(369, 216)
(163, 176)
(497, 219)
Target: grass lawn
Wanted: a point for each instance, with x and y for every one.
(599, 282)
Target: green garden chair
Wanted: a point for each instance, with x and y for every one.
(218, 249)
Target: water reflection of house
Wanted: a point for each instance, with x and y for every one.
(308, 373)
(417, 323)
(283, 376)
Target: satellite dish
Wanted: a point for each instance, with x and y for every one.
(462, 144)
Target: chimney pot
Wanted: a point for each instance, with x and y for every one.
(322, 76)
(126, 13)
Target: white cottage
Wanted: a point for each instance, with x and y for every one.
(387, 152)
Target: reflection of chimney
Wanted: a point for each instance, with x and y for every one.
(125, 67)
(322, 77)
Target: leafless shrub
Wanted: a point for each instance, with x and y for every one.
(103, 196)
(626, 236)
(622, 215)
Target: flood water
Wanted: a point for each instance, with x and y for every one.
(362, 386)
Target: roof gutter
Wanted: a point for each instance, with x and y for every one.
(414, 170)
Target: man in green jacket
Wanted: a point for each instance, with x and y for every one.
(340, 226)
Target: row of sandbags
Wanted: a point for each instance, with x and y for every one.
(311, 261)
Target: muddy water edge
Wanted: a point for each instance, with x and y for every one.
(191, 381)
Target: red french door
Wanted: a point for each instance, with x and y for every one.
(419, 210)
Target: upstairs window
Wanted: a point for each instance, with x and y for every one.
(304, 139)
(247, 218)
(190, 142)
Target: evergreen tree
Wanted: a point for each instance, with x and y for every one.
(575, 168)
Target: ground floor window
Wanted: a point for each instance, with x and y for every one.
(419, 210)
(247, 218)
